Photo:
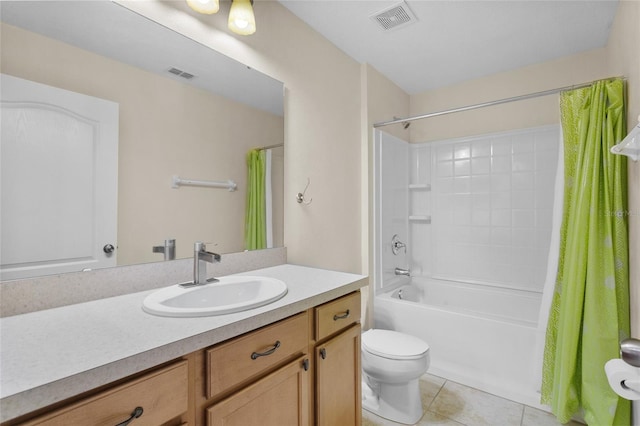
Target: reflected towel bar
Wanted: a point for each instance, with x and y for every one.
(177, 182)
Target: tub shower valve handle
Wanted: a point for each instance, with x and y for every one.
(396, 245)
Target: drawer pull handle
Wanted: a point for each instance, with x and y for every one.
(342, 316)
(257, 355)
(137, 412)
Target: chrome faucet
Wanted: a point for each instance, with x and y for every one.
(169, 249)
(400, 271)
(200, 258)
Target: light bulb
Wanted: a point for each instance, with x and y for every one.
(207, 7)
(241, 23)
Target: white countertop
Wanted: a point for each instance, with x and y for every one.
(51, 355)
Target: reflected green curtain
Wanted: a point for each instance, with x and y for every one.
(590, 310)
(255, 232)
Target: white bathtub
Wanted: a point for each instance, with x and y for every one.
(480, 336)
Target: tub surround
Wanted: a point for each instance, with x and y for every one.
(54, 354)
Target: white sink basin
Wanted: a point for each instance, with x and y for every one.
(230, 294)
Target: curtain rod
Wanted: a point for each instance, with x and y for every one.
(262, 148)
(491, 103)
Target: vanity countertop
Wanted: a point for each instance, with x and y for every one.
(48, 356)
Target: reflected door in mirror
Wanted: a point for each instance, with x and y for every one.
(59, 158)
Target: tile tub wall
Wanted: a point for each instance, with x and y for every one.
(491, 205)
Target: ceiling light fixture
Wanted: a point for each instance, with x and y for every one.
(241, 18)
(207, 7)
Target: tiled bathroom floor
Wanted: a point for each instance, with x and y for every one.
(448, 403)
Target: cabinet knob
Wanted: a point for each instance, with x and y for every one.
(137, 412)
(323, 353)
(305, 364)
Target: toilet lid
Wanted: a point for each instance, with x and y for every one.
(394, 345)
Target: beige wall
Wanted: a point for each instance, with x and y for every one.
(166, 128)
(580, 68)
(623, 59)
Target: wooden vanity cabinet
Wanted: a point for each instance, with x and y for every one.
(232, 364)
(301, 370)
(162, 395)
(261, 377)
(311, 377)
(337, 362)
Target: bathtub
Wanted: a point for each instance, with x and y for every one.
(478, 335)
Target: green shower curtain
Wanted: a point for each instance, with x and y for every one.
(590, 310)
(255, 233)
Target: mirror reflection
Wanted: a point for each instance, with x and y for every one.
(182, 110)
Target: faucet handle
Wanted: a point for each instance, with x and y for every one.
(396, 244)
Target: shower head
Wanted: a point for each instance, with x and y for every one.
(405, 124)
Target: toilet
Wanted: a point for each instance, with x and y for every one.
(392, 363)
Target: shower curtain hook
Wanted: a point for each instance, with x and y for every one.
(300, 196)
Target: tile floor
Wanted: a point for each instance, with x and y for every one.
(447, 403)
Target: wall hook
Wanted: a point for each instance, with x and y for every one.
(300, 196)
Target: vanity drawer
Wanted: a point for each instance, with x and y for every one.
(162, 394)
(231, 363)
(337, 315)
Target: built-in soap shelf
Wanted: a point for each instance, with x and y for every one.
(419, 187)
(423, 186)
(420, 218)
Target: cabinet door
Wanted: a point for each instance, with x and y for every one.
(280, 398)
(338, 400)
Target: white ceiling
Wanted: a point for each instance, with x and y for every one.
(454, 40)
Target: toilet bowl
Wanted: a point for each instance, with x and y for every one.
(392, 364)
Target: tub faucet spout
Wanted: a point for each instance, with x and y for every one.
(400, 271)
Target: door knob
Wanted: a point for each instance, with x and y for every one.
(108, 248)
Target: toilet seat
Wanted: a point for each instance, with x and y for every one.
(393, 345)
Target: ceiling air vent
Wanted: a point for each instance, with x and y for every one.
(181, 73)
(397, 16)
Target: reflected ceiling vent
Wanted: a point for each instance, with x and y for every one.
(180, 73)
(394, 17)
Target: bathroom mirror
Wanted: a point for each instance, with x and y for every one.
(184, 110)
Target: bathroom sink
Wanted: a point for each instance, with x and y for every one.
(228, 295)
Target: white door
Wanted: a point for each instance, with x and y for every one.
(58, 180)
